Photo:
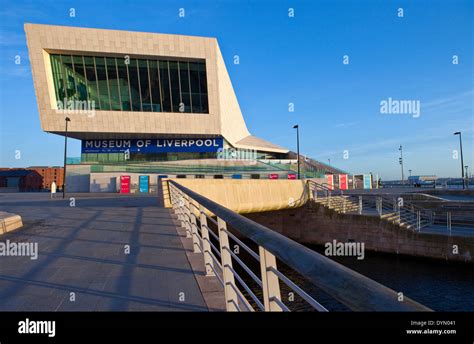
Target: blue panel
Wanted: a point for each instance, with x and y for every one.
(203, 145)
(144, 183)
(367, 181)
(236, 176)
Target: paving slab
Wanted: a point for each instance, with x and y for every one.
(114, 252)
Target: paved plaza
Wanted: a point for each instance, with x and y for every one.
(83, 255)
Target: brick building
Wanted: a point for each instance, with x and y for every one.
(14, 180)
(35, 178)
(49, 174)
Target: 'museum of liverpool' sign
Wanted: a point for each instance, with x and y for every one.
(152, 145)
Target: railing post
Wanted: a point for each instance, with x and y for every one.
(231, 300)
(380, 206)
(399, 213)
(310, 191)
(418, 220)
(206, 246)
(270, 282)
(448, 221)
(194, 229)
(343, 205)
(172, 198)
(180, 208)
(178, 202)
(187, 215)
(360, 205)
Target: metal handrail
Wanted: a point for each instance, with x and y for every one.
(245, 267)
(325, 186)
(411, 214)
(352, 289)
(244, 246)
(299, 291)
(408, 214)
(246, 287)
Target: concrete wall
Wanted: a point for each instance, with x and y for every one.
(244, 196)
(78, 178)
(316, 224)
(110, 182)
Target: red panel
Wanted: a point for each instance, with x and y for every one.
(273, 176)
(343, 182)
(330, 181)
(291, 176)
(124, 184)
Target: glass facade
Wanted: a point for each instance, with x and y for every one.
(116, 83)
(137, 157)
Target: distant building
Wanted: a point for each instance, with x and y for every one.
(426, 178)
(49, 174)
(14, 180)
(419, 180)
(35, 178)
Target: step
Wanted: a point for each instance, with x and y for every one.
(393, 218)
(407, 225)
(384, 216)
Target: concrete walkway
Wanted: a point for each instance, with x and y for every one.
(82, 250)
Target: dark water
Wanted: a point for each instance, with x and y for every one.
(438, 285)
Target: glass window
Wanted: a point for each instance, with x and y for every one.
(185, 87)
(92, 85)
(123, 84)
(104, 95)
(144, 85)
(68, 75)
(80, 77)
(203, 87)
(110, 83)
(195, 92)
(154, 85)
(134, 85)
(58, 79)
(165, 86)
(175, 87)
(113, 83)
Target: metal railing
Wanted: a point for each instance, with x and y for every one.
(393, 209)
(198, 214)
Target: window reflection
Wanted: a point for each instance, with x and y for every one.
(127, 84)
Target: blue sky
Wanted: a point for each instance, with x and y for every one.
(286, 60)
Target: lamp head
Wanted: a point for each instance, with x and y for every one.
(67, 119)
(295, 126)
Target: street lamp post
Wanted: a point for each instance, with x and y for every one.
(296, 126)
(329, 162)
(467, 177)
(462, 160)
(401, 162)
(67, 119)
